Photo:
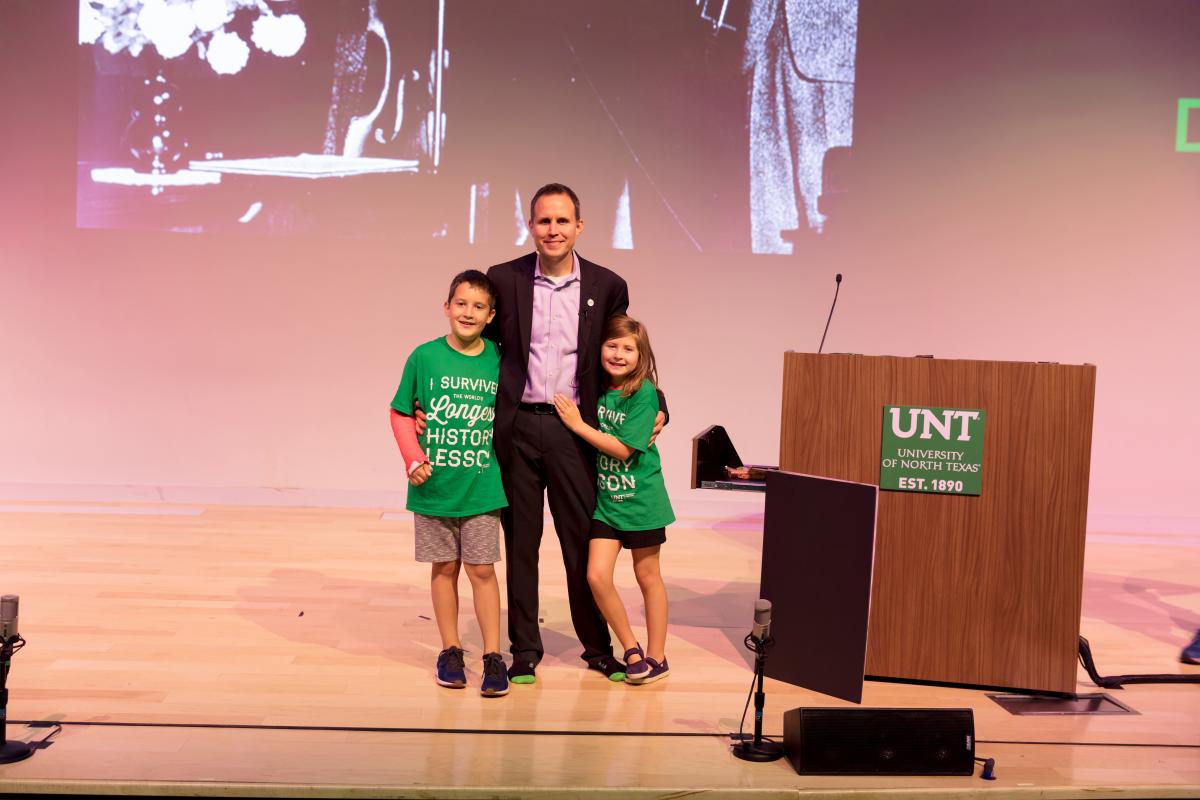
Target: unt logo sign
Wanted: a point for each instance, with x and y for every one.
(1189, 110)
(931, 421)
(932, 450)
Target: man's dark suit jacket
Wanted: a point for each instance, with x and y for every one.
(602, 293)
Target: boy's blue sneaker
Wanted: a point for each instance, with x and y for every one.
(495, 676)
(450, 670)
(1191, 653)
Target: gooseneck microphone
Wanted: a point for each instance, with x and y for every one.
(837, 288)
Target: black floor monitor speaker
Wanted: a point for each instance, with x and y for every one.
(880, 741)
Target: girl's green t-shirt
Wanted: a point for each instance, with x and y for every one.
(457, 392)
(630, 494)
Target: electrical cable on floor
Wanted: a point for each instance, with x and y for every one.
(1116, 681)
(989, 764)
(741, 736)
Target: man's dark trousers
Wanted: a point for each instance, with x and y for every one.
(545, 456)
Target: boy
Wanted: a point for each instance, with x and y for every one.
(455, 491)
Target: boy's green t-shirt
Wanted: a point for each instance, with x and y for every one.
(457, 392)
(630, 494)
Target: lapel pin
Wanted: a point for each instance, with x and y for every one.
(591, 302)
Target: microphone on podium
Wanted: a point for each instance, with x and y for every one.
(837, 288)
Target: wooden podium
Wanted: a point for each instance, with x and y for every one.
(982, 590)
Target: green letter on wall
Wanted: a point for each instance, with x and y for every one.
(1182, 145)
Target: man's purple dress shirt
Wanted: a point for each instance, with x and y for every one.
(554, 336)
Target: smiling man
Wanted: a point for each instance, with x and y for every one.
(550, 315)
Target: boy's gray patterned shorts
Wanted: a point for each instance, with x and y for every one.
(472, 540)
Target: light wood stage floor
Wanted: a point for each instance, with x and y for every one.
(234, 651)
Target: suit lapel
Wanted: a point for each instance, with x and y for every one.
(587, 310)
(525, 303)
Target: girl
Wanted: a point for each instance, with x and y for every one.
(632, 508)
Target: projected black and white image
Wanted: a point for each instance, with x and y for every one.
(701, 125)
(800, 56)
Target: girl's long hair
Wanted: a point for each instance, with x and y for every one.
(621, 326)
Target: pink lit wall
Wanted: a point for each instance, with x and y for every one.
(1013, 192)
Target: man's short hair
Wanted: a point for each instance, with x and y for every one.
(555, 188)
(476, 280)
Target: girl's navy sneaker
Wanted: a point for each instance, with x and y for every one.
(637, 670)
(657, 671)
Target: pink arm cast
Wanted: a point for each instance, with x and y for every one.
(404, 428)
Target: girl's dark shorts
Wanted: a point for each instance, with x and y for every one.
(630, 540)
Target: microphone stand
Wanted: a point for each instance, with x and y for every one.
(9, 751)
(758, 749)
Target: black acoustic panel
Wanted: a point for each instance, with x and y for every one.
(818, 552)
(880, 741)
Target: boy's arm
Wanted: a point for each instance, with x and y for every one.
(405, 430)
(606, 443)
